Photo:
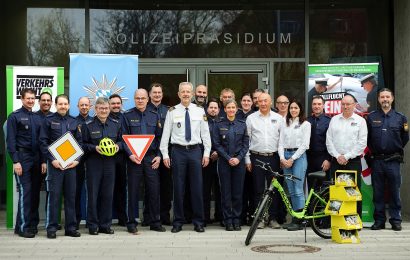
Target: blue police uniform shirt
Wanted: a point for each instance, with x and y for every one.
(43, 115)
(133, 126)
(161, 111)
(243, 115)
(21, 124)
(118, 116)
(83, 120)
(231, 133)
(95, 130)
(388, 133)
(319, 125)
(55, 126)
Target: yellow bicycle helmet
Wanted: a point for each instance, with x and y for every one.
(107, 147)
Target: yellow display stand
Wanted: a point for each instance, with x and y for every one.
(342, 208)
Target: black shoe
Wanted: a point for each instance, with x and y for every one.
(396, 227)
(199, 229)
(228, 227)
(176, 229)
(237, 227)
(34, 231)
(93, 232)
(157, 228)
(26, 234)
(108, 231)
(72, 233)
(59, 227)
(377, 226)
(51, 235)
(132, 230)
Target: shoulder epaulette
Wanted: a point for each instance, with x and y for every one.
(241, 120)
(400, 113)
(128, 111)
(114, 120)
(171, 108)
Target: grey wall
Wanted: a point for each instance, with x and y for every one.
(402, 85)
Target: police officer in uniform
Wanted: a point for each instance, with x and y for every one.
(186, 128)
(45, 101)
(156, 93)
(369, 84)
(23, 129)
(100, 168)
(209, 173)
(141, 121)
(83, 118)
(120, 196)
(317, 156)
(388, 135)
(231, 141)
(59, 178)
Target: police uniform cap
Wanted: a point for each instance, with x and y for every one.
(321, 81)
(367, 78)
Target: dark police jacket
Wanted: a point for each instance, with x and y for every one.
(132, 126)
(21, 124)
(222, 139)
(319, 127)
(387, 133)
(95, 130)
(52, 129)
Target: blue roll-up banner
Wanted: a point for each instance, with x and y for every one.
(101, 75)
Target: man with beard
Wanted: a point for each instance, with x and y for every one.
(388, 135)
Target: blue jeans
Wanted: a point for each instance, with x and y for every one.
(295, 187)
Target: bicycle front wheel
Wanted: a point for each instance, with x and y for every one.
(258, 217)
(321, 226)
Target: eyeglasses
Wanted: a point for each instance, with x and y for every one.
(140, 98)
(282, 103)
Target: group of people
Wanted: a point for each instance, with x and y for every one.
(203, 147)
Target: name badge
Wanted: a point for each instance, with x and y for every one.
(297, 126)
(353, 124)
(273, 121)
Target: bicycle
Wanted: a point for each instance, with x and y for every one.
(313, 211)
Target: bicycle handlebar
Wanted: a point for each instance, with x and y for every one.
(267, 167)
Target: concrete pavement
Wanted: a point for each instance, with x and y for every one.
(215, 243)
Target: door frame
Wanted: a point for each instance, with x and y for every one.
(192, 67)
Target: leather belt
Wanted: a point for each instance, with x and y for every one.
(262, 154)
(291, 149)
(186, 147)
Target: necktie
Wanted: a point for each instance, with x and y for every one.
(143, 124)
(187, 126)
(231, 139)
(33, 133)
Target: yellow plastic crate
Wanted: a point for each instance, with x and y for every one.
(345, 193)
(340, 181)
(343, 236)
(348, 222)
(338, 207)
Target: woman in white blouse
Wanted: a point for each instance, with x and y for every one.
(293, 143)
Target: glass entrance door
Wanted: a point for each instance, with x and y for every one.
(239, 76)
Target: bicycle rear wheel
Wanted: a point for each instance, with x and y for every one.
(259, 215)
(321, 226)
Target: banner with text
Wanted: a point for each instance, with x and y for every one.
(41, 79)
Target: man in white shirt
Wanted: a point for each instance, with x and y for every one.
(263, 128)
(186, 127)
(346, 139)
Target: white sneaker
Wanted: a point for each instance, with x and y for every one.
(274, 224)
(261, 225)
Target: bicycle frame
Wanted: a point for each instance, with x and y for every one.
(300, 215)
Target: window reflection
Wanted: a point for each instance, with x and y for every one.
(198, 33)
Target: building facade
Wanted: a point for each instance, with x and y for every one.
(242, 45)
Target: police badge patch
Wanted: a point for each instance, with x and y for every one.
(406, 127)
